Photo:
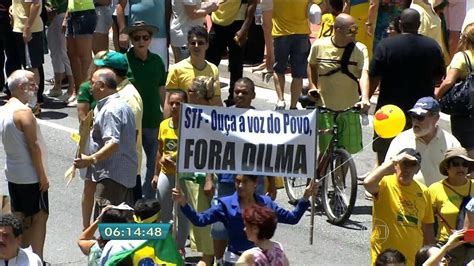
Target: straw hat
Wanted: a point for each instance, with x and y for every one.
(455, 153)
(140, 25)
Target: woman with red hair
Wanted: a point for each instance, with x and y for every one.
(260, 225)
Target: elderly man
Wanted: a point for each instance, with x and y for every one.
(25, 169)
(402, 215)
(11, 253)
(338, 68)
(114, 157)
(427, 137)
(407, 67)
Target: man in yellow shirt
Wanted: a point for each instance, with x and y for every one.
(402, 215)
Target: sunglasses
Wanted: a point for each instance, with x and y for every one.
(142, 37)
(420, 118)
(198, 43)
(459, 163)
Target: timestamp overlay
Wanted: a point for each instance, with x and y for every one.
(133, 231)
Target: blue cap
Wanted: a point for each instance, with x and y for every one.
(113, 60)
(424, 106)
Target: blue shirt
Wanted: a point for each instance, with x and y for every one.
(227, 210)
(150, 11)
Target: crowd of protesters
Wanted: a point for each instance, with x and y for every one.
(129, 97)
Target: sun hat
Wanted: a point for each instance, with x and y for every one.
(452, 153)
(140, 25)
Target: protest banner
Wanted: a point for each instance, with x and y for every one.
(247, 141)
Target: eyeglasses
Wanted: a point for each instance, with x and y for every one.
(199, 43)
(462, 163)
(143, 37)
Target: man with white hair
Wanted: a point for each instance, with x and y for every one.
(28, 182)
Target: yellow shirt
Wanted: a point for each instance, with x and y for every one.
(338, 91)
(21, 11)
(228, 11)
(168, 140)
(130, 95)
(430, 25)
(181, 75)
(327, 26)
(397, 217)
(446, 204)
(458, 62)
(291, 17)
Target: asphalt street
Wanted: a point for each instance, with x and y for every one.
(333, 245)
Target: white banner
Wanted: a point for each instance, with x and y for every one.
(247, 141)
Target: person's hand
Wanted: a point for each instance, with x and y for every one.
(272, 191)
(27, 34)
(455, 240)
(178, 196)
(211, 7)
(311, 189)
(313, 94)
(44, 183)
(168, 162)
(364, 106)
(400, 158)
(240, 37)
(154, 182)
(108, 207)
(437, 93)
(64, 26)
(83, 161)
(123, 40)
(209, 188)
(369, 30)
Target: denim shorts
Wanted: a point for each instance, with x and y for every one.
(81, 23)
(295, 47)
(104, 19)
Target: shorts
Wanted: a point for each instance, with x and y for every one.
(349, 131)
(35, 49)
(296, 47)
(81, 23)
(109, 192)
(104, 19)
(28, 199)
(462, 128)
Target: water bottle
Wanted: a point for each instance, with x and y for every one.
(364, 118)
(258, 15)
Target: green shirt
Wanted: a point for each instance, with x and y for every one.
(80, 5)
(148, 77)
(85, 95)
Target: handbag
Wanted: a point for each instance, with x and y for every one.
(459, 100)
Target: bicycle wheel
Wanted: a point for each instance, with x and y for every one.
(294, 187)
(339, 187)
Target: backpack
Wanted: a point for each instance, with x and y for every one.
(459, 100)
(344, 68)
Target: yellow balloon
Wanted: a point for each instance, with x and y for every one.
(389, 121)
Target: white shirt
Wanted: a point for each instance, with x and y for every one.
(432, 153)
(24, 257)
(181, 22)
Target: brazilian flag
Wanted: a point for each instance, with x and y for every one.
(152, 252)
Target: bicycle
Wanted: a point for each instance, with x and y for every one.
(338, 192)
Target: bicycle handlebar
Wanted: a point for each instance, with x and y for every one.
(325, 109)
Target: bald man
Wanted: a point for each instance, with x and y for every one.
(336, 81)
(407, 67)
(113, 160)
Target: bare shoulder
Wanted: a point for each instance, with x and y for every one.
(24, 117)
(246, 258)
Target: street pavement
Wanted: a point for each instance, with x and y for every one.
(333, 245)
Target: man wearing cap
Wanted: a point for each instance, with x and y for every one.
(149, 77)
(402, 214)
(114, 158)
(427, 137)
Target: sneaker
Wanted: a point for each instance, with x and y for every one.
(280, 105)
(72, 104)
(64, 97)
(54, 93)
(73, 98)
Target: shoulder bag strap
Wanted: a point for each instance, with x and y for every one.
(468, 61)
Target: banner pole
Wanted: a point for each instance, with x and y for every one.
(176, 178)
(313, 179)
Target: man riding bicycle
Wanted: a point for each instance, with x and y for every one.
(338, 74)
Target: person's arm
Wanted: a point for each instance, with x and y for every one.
(374, 82)
(448, 82)
(86, 239)
(294, 216)
(159, 154)
(428, 234)
(246, 259)
(162, 96)
(35, 10)
(371, 16)
(241, 34)
(194, 12)
(26, 122)
(454, 240)
(371, 182)
(365, 91)
(82, 110)
(271, 190)
(166, 106)
(123, 37)
(211, 215)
